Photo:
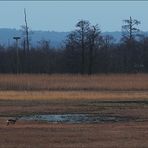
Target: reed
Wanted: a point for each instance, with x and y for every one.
(65, 82)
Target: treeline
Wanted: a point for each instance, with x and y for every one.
(84, 51)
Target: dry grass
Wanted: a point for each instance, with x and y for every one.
(122, 82)
(78, 87)
(74, 95)
(107, 135)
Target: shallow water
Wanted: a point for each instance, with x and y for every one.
(76, 118)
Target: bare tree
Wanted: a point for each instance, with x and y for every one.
(83, 27)
(108, 40)
(129, 30)
(93, 38)
(72, 53)
(26, 44)
(26, 30)
(86, 38)
(129, 34)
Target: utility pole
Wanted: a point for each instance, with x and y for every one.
(17, 54)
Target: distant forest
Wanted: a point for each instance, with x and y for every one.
(84, 51)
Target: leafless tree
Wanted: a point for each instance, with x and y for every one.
(26, 30)
(93, 38)
(129, 34)
(129, 29)
(83, 27)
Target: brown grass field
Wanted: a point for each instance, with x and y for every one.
(112, 82)
(112, 94)
(41, 135)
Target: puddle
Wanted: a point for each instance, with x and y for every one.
(76, 118)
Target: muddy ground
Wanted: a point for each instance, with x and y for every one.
(35, 134)
(45, 135)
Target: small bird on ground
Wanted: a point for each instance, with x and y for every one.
(11, 121)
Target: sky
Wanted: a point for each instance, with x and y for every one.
(63, 15)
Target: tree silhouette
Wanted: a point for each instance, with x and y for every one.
(129, 30)
(26, 30)
(129, 34)
(82, 30)
(93, 38)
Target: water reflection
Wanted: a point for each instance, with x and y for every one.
(75, 118)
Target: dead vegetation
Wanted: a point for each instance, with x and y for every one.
(116, 82)
(102, 87)
(119, 95)
(70, 95)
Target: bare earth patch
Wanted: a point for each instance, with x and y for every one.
(39, 135)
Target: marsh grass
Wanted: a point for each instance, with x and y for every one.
(74, 95)
(33, 94)
(65, 82)
(102, 87)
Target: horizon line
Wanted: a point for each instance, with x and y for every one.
(61, 31)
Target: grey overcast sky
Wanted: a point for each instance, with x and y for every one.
(63, 15)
